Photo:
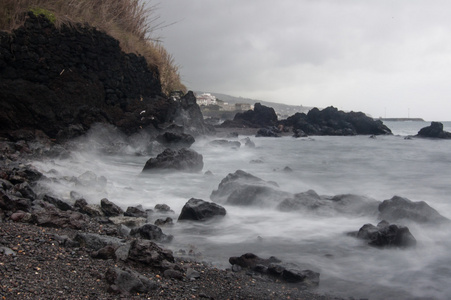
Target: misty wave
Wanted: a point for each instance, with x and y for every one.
(334, 186)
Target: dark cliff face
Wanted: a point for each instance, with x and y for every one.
(56, 80)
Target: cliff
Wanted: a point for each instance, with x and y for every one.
(61, 81)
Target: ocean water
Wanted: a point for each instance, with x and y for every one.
(377, 168)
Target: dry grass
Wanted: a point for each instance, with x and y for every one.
(129, 21)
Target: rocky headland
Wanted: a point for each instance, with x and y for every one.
(329, 121)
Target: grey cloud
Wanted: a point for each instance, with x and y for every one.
(352, 54)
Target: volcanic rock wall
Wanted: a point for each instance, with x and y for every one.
(63, 80)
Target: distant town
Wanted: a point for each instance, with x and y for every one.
(223, 106)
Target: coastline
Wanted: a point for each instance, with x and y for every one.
(41, 261)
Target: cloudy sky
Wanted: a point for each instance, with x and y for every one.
(387, 58)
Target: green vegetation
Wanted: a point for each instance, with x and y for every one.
(131, 22)
(39, 11)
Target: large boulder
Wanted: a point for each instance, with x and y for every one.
(250, 260)
(186, 112)
(399, 208)
(175, 140)
(148, 253)
(11, 203)
(386, 235)
(200, 210)
(242, 188)
(96, 242)
(175, 160)
(47, 215)
(110, 209)
(261, 116)
(435, 130)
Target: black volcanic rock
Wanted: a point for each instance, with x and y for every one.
(399, 208)
(272, 267)
(127, 281)
(200, 210)
(435, 130)
(386, 235)
(242, 188)
(268, 132)
(186, 112)
(250, 260)
(175, 160)
(109, 208)
(331, 121)
(175, 140)
(62, 81)
(261, 116)
(151, 232)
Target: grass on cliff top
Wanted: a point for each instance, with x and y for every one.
(131, 22)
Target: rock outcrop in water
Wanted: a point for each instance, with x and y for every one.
(386, 235)
(200, 210)
(260, 116)
(186, 160)
(186, 113)
(175, 140)
(241, 188)
(331, 121)
(402, 209)
(435, 130)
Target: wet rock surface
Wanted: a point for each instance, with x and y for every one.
(200, 210)
(242, 188)
(435, 130)
(260, 116)
(175, 160)
(402, 209)
(331, 121)
(175, 140)
(386, 235)
(274, 269)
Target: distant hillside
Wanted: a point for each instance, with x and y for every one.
(283, 110)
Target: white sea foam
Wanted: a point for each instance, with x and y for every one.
(419, 169)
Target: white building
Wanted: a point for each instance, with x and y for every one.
(206, 99)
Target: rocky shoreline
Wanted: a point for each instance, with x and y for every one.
(50, 250)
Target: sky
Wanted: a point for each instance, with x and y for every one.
(386, 58)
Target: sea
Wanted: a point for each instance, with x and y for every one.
(377, 168)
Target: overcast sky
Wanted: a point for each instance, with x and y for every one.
(387, 58)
